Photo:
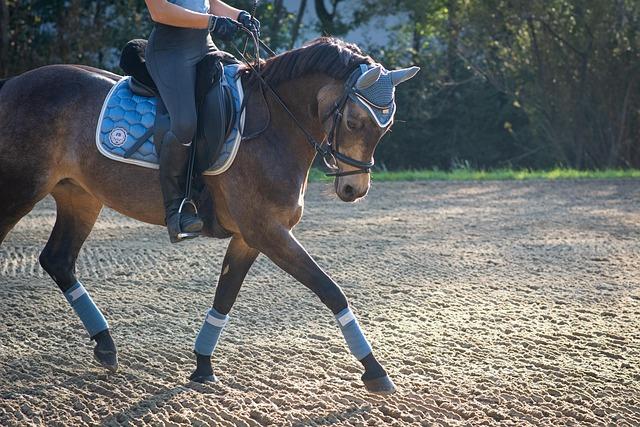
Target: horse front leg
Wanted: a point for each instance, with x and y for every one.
(236, 265)
(284, 250)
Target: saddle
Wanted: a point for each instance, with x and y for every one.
(214, 102)
(218, 110)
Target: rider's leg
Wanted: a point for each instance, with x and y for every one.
(174, 160)
(172, 56)
(235, 266)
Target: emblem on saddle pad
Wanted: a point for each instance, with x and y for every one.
(117, 137)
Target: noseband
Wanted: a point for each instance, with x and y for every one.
(328, 148)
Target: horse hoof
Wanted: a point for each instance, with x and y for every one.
(204, 378)
(105, 351)
(106, 359)
(382, 385)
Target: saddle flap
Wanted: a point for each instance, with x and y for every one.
(215, 122)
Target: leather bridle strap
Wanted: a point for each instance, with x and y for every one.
(347, 173)
(329, 152)
(332, 140)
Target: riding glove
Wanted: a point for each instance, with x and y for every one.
(222, 27)
(252, 24)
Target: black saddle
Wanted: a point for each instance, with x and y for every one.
(214, 103)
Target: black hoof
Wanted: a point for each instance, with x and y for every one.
(105, 351)
(107, 359)
(382, 385)
(204, 370)
(203, 378)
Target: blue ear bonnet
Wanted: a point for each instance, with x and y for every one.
(378, 99)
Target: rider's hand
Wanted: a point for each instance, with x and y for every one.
(249, 23)
(222, 27)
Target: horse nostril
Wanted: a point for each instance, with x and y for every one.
(348, 190)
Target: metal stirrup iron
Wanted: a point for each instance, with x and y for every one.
(187, 200)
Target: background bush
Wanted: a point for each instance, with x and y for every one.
(504, 83)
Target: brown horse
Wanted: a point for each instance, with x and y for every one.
(48, 118)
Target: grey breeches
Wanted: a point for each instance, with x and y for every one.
(172, 56)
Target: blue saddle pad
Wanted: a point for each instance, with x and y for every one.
(126, 117)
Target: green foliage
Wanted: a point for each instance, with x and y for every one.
(519, 84)
(573, 67)
(504, 83)
(464, 174)
(70, 31)
(93, 32)
(276, 22)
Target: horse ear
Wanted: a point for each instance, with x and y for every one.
(400, 76)
(369, 78)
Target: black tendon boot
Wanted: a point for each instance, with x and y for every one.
(174, 159)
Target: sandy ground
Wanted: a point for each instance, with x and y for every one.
(488, 303)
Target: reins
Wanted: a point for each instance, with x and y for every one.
(328, 148)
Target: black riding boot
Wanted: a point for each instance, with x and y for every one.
(174, 160)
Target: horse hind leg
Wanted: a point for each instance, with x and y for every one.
(10, 215)
(77, 212)
(17, 199)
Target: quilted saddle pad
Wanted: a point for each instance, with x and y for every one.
(127, 117)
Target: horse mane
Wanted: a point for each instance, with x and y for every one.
(325, 55)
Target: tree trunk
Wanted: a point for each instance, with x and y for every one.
(296, 26)
(453, 29)
(278, 10)
(417, 43)
(327, 19)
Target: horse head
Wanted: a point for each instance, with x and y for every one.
(353, 105)
(356, 123)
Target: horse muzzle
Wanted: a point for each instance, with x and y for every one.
(352, 188)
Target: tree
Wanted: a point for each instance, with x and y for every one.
(521, 83)
(572, 65)
(330, 21)
(295, 32)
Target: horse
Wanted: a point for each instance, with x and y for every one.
(48, 118)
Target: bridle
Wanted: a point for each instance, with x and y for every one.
(331, 140)
(328, 149)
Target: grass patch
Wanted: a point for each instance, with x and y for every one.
(494, 175)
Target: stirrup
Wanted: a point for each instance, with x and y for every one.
(184, 235)
(186, 201)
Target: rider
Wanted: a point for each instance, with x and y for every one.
(179, 40)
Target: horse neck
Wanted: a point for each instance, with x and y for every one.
(301, 97)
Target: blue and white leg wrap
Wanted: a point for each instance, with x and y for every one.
(358, 344)
(91, 316)
(210, 332)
